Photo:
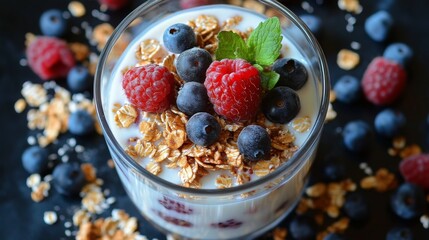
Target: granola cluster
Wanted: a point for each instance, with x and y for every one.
(163, 136)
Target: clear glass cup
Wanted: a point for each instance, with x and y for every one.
(241, 212)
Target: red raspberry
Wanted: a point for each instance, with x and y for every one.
(114, 4)
(150, 87)
(415, 169)
(234, 88)
(383, 81)
(50, 57)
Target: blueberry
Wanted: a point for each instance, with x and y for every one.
(254, 143)
(203, 129)
(78, 79)
(302, 228)
(356, 206)
(292, 73)
(68, 178)
(313, 22)
(388, 122)
(333, 172)
(399, 52)
(399, 233)
(35, 160)
(52, 23)
(281, 105)
(408, 201)
(356, 135)
(192, 98)
(192, 64)
(378, 25)
(179, 37)
(347, 89)
(333, 236)
(81, 123)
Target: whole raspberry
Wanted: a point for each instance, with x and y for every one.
(195, 3)
(114, 4)
(383, 81)
(415, 169)
(150, 87)
(234, 89)
(49, 57)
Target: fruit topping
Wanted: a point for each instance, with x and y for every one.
(254, 143)
(292, 73)
(281, 105)
(192, 98)
(203, 129)
(150, 87)
(192, 64)
(234, 89)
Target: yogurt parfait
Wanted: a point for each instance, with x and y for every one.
(212, 114)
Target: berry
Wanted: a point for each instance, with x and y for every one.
(292, 73)
(356, 135)
(408, 201)
(334, 171)
(52, 23)
(281, 105)
(399, 233)
(303, 227)
(150, 87)
(68, 178)
(49, 57)
(231, 223)
(254, 143)
(81, 123)
(179, 37)
(347, 89)
(114, 4)
(333, 236)
(35, 160)
(203, 129)
(399, 53)
(185, 4)
(383, 81)
(356, 206)
(173, 220)
(389, 122)
(234, 89)
(192, 64)
(314, 23)
(175, 206)
(192, 98)
(78, 79)
(378, 25)
(415, 169)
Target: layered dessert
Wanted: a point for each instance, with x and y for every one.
(213, 97)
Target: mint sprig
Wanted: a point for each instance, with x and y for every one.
(262, 48)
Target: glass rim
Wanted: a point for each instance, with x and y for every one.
(293, 161)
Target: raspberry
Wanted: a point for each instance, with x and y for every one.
(383, 81)
(150, 87)
(415, 169)
(234, 89)
(50, 57)
(114, 4)
(175, 206)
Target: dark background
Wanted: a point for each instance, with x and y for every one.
(21, 218)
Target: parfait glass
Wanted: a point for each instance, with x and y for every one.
(240, 212)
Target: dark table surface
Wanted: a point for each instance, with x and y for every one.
(21, 218)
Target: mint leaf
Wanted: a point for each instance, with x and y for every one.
(265, 42)
(269, 79)
(232, 46)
